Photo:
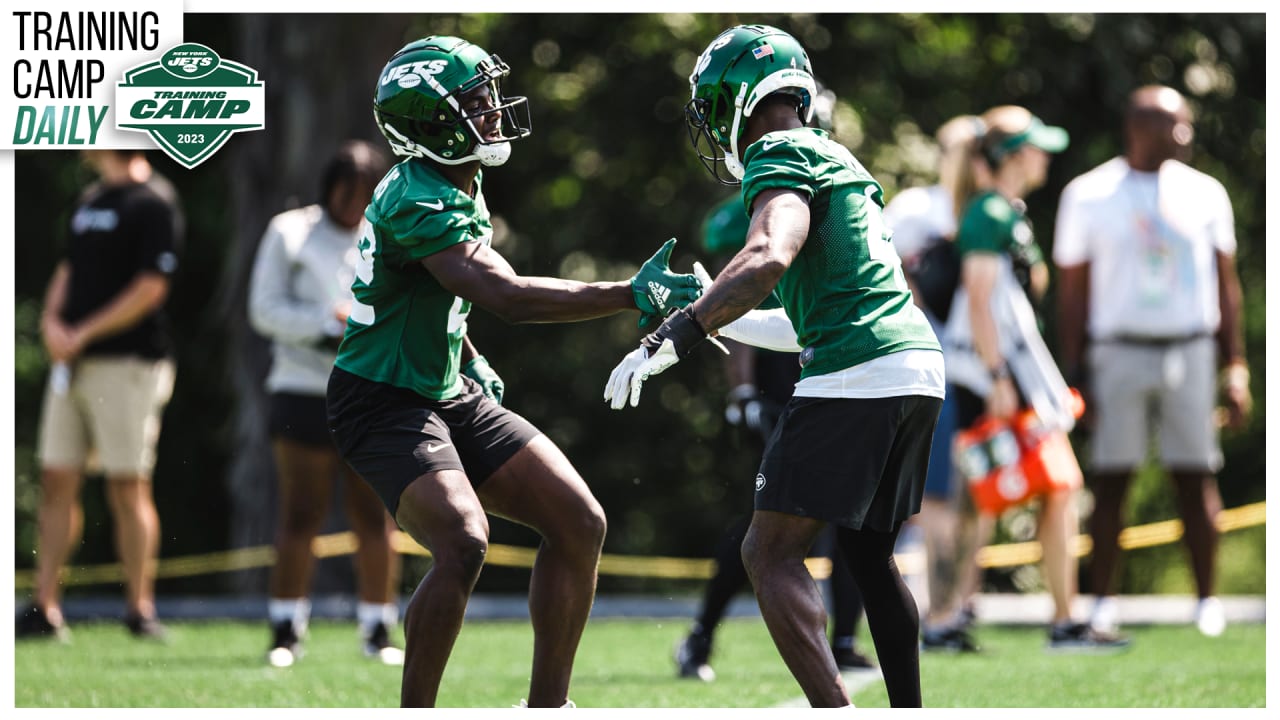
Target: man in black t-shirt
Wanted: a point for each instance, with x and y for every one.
(112, 375)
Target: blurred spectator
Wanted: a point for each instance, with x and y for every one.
(923, 222)
(761, 382)
(299, 297)
(106, 334)
(996, 358)
(1146, 246)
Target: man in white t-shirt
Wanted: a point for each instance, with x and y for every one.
(1146, 249)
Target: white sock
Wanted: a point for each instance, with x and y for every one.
(295, 610)
(369, 615)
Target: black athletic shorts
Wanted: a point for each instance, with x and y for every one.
(855, 462)
(391, 436)
(299, 418)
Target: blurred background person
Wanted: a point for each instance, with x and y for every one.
(104, 328)
(299, 298)
(923, 222)
(996, 359)
(1146, 246)
(760, 384)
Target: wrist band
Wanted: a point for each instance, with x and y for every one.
(1000, 371)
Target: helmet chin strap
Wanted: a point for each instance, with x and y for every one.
(731, 162)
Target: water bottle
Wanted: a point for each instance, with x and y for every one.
(60, 378)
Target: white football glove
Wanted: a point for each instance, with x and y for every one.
(703, 276)
(635, 368)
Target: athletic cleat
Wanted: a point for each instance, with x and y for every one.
(851, 659)
(378, 646)
(32, 623)
(692, 656)
(948, 639)
(286, 647)
(1080, 637)
(1210, 617)
(146, 628)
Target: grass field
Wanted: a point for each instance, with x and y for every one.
(622, 663)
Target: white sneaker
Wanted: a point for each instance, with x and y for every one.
(1106, 615)
(378, 647)
(524, 704)
(1210, 617)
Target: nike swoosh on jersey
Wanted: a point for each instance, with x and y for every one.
(433, 448)
(771, 144)
(437, 205)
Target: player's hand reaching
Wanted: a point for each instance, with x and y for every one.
(659, 350)
(483, 373)
(658, 291)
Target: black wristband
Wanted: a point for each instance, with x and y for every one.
(682, 328)
(1000, 371)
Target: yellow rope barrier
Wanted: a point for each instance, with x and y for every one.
(344, 543)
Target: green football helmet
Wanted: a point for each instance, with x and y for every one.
(418, 103)
(738, 69)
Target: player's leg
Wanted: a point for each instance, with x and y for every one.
(846, 610)
(441, 511)
(892, 616)
(773, 552)
(693, 654)
(399, 443)
(538, 487)
(377, 567)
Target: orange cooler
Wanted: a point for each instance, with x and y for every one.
(1005, 465)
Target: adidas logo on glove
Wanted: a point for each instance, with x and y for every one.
(658, 293)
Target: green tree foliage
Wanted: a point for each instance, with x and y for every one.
(608, 175)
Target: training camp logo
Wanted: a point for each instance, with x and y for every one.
(190, 101)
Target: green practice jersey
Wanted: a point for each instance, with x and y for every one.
(845, 292)
(404, 328)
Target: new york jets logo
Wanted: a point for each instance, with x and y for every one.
(190, 101)
(759, 482)
(658, 293)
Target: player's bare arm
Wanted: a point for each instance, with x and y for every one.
(778, 231)
(475, 272)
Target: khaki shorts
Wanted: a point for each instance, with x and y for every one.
(112, 406)
(1168, 390)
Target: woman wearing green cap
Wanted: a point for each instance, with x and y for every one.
(997, 362)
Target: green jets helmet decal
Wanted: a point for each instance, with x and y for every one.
(433, 92)
(190, 101)
(741, 67)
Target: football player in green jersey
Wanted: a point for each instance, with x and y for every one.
(852, 445)
(413, 406)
